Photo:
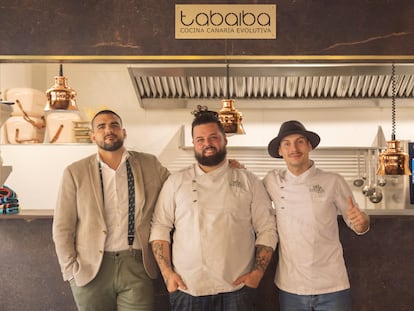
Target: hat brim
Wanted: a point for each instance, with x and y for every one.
(273, 147)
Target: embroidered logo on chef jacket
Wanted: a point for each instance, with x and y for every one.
(235, 183)
(316, 189)
(317, 193)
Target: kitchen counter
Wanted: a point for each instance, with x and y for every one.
(31, 214)
(390, 212)
(379, 265)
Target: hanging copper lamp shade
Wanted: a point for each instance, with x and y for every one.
(393, 161)
(229, 117)
(60, 96)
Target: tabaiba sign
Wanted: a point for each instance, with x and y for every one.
(225, 21)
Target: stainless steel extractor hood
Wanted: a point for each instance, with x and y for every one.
(163, 86)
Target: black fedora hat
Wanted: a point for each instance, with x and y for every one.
(289, 128)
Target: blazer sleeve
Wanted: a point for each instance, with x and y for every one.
(64, 225)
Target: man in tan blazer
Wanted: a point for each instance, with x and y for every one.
(102, 221)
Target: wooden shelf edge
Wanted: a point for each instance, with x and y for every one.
(30, 214)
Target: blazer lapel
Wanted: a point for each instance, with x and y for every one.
(96, 184)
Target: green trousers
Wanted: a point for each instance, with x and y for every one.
(120, 285)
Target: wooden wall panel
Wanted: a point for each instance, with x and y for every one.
(146, 28)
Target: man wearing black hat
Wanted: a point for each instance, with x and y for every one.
(311, 274)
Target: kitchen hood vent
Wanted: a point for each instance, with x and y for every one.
(165, 86)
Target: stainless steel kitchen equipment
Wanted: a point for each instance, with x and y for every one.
(169, 85)
(359, 181)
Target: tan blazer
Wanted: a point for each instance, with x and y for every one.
(79, 229)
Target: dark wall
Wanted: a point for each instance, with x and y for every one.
(29, 274)
(379, 264)
(146, 27)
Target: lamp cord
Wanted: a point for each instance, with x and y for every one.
(227, 81)
(393, 101)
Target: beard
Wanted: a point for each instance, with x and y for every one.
(212, 160)
(113, 146)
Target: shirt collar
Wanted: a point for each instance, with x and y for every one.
(198, 171)
(125, 156)
(302, 177)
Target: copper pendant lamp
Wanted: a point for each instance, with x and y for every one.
(61, 96)
(229, 117)
(393, 161)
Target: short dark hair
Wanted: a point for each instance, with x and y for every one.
(106, 111)
(203, 116)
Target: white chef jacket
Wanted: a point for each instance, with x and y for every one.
(218, 218)
(310, 253)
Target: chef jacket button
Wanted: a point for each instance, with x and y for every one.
(104, 231)
(194, 190)
(282, 198)
(194, 201)
(101, 251)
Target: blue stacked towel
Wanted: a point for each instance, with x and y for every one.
(9, 204)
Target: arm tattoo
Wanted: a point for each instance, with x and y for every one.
(263, 257)
(162, 257)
